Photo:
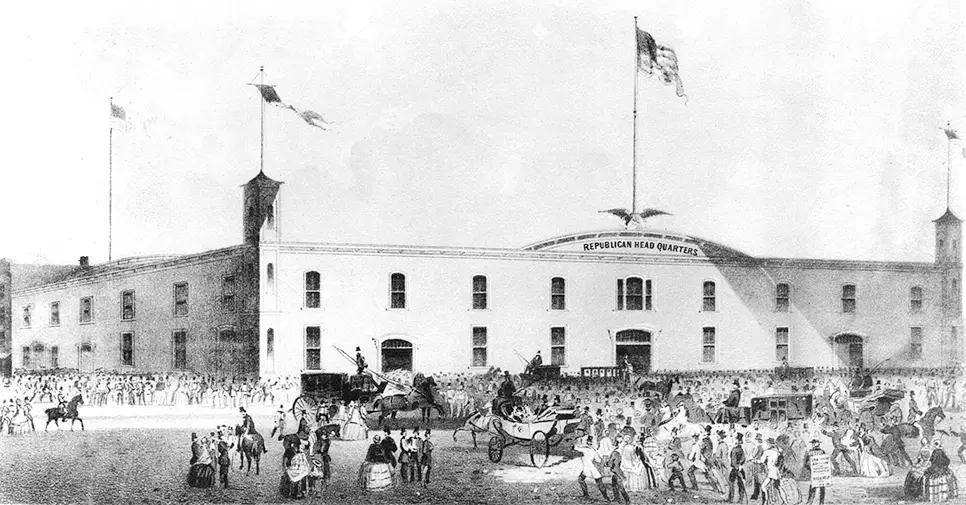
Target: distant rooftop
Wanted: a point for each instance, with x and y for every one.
(28, 276)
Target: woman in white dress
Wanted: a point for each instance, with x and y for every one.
(355, 426)
(870, 464)
(631, 465)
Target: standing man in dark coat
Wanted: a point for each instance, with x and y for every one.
(737, 470)
(224, 459)
(389, 447)
(426, 457)
(839, 449)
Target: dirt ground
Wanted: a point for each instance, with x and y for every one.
(140, 455)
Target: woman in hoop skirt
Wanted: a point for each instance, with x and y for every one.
(202, 471)
(375, 473)
(916, 476)
(939, 481)
(355, 426)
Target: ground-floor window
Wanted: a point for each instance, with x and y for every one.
(179, 342)
(781, 343)
(25, 357)
(708, 345)
(313, 348)
(54, 357)
(479, 346)
(915, 342)
(127, 348)
(558, 353)
(270, 350)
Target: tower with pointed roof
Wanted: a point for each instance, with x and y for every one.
(949, 254)
(261, 210)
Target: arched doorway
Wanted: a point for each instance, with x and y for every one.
(636, 346)
(848, 349)
(396, 354)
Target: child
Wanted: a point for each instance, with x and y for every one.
(677, 472)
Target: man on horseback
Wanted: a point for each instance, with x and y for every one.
(247, 427)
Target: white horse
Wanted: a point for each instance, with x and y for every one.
(679, 419)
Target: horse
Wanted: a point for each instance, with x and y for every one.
(57, 414)
(929, 419)
(663, 387)
(892, 446)
(679, 420)
(415, 399)
(252, 447)
(478, 422)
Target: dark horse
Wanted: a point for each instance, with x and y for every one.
(662, 388)
(252, 447)
(415, 399)
(928, 421)
(57, 414)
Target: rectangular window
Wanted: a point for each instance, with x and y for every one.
(848, 298)
(181, 299)
(179, 342)
(270, 350)
(781, 343)
(127, 348)
(228, 293)
(397, 291)
(127, 305)
(479, 292)
(313, 290)
(915, 299)
(558, 340)
(54, 356)
(647, 295)
(915, 342)
(25, 357)
(781, 298)
(708, 345)
(634, 299)
(708, 300)
(558, 294)
(313, 348)
(479, 346)
(55, 313)
(86, 309)
(27, 318)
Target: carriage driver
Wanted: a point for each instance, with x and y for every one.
(360, 362)
(533, 364)
(732, 403)
(247, 426)
(506, 397)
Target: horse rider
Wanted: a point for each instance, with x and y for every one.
(533, 364)
(360, 362)
(914, 411)
(61, 401)
(247, 427)
(27, 409)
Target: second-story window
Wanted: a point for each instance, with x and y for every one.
(708, 300)
(848, 298)
(54, 313)
(127, 305)
(915, 299)
(782, 297)
(27, 317)
(631, 294)
(228, 293)
(181, 299)
(558, 294)
(397, 291)
(479, 292)
(313, 290)
(86, 309)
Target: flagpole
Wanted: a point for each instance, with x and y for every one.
(949, 159)
(110, 181)
(261, 163)
(637, 57)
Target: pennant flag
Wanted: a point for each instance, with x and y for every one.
(118, 112)
(951, 134)
(119, 118)
(270, 96)
(654, 58)
(313, 118)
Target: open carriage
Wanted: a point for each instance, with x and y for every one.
(538, 434)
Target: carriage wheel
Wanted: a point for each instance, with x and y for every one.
(495, 448)
(304, 406)
(539, 449)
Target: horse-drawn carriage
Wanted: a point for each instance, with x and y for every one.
(331, 389)
(781, 408)
(538, 434)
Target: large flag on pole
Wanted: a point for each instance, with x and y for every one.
(119, 118)
(271, 97)
(653, 58)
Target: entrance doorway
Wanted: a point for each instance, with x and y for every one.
(85, 357)
(636, 346)
(397, 354)
(848, 349)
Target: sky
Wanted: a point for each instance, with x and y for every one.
(811, 128)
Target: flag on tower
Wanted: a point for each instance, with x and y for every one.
(951, 134)
(653, 58)
(119, 118)
(270, 96)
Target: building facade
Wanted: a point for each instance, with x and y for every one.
(663, 300)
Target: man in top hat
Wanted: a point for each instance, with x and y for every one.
(533, 364)
(389, 447)
(426, 456)
(279, 422)
(815, 450)
(698, 462)
(737, 473)
(360, 362)
(247, 426)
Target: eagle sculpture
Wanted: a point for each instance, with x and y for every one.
(635, 217)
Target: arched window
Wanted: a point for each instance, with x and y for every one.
(313, 293)
(633, 293)
(782, 299)
(915, 299)
(397, 291)
(270, 221)
(479, 292)
(708, 301)
(558, 294)
(848, 298)
(270, 276)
